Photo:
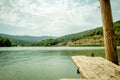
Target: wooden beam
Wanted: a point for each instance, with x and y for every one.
(109, 35)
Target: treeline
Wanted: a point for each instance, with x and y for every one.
(16, 42)
(47, 42)
(5, 42)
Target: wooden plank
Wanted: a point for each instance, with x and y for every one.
(104, 71)
(72, 79)
(96, 68)
(69, 79)
(114, 69)
(84, 69)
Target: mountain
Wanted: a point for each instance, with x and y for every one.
(93, 37)
(25, 40)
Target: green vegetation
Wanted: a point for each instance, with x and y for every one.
(117, 32)
(92, 37)
(5, 42)
(47, 42)
(16, 42)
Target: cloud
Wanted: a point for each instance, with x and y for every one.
(52, 17)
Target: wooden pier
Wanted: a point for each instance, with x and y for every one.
(96, 68)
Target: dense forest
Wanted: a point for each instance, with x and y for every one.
(5, 42)
(92, 37)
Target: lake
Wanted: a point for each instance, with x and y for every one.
(42, 63)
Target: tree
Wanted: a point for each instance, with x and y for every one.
(5, 42)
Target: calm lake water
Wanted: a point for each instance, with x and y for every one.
(42, 63)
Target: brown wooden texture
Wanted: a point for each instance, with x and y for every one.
(96, 68)
(69, 79)
(72, 79)
(109, 36)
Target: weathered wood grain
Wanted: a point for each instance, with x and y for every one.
(69, 79)
(96, 68)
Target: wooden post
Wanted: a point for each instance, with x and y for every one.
(109, 35)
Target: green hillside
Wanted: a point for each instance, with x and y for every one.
(92, 37)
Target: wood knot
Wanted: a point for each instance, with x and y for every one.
(117, 72)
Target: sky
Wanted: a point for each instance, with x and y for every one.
(51, 17)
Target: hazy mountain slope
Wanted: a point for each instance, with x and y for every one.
(92, 37)
(27, 38)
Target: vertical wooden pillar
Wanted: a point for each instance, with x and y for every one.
(109, 35)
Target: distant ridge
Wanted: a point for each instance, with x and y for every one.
(93, 37)
(27, 38)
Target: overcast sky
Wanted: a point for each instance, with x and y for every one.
(51, 17)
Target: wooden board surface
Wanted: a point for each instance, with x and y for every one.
(69, 79)
(96, 68)
(72, 79)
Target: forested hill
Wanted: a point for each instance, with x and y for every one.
(92, 37)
